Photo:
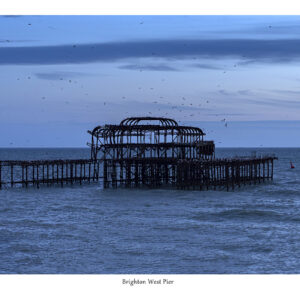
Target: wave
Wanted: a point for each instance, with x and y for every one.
(237, 214)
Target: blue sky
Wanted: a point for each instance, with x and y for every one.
(63, 75)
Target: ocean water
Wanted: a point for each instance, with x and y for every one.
(85, 229)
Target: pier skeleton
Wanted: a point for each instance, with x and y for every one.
(155, 152)
(143, 151)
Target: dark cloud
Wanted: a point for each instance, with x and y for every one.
(11, 16)
(267, 51)
(285, 92)
(16, 41)
(206, 66)
(225, 93)
(244, 92)
(59, 75)
(275, 102)
(161, 67)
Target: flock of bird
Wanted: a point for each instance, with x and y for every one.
(161, 103)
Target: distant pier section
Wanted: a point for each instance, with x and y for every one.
(16, 173)
(143, 152)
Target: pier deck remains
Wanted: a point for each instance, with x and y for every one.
(143, 151)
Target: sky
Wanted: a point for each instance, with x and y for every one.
(236, 77)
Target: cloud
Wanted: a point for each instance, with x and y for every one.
(206, 66)
(11, 16)
(160, 67)
(266, 101)
(59, 75)
(16, 41)
(267, 51)
(225, 93)
(228, 115)
(285, 92)
(270, 29)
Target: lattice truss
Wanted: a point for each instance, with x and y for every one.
(149, 137)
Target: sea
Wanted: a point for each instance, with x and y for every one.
(85, 229)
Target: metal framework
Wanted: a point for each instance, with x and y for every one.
(149, 137)
(143, 151)
(149, 151)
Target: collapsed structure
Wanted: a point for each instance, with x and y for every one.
(143, 151)
(153, 152)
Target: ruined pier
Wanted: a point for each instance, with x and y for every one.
(143, 152)
(20, 173)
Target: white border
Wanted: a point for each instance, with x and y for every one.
(149, 7)
(185, 286)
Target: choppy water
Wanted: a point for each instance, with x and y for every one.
(84, 229)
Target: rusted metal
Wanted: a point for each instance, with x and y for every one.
(143, 151)
(160, 152)
(20, 173)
